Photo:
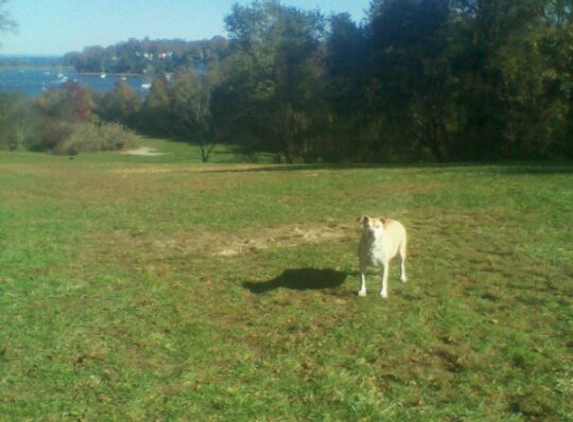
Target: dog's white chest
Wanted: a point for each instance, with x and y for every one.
(376, 254)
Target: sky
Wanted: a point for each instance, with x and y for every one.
(55, 27)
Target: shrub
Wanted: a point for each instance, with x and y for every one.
(87, 137)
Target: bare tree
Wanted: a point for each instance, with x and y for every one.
(191, 106)
(6, 24)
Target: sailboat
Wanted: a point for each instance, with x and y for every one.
(62, 78)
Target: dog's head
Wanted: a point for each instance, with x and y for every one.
(373, 226)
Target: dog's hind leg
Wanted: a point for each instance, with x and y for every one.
(403, 277)
(402, 253)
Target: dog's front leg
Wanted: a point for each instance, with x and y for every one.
(362, 291)
(384, 291)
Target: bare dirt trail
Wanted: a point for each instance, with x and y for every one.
(143, 151)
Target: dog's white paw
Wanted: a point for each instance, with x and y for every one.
(383, 294)
(403, 279)
(362, 293)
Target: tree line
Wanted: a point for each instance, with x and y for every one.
(148, 56)
(417, 80)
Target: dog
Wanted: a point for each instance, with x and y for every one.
(381, 240)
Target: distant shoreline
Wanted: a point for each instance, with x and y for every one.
(108, 74)
(31, 56)
(30, 66)
(57, 68)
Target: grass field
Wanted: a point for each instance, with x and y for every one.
(161, 289)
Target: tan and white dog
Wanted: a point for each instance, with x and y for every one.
(381, 240)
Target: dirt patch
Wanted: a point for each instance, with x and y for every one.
(286, 237)
(143, 151)
(151, 247)
(186, 168)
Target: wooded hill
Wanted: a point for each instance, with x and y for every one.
(418, 80)
(148, 56)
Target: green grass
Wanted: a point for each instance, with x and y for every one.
(118, 302)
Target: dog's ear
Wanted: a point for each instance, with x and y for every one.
(383, 220)
(362, 219)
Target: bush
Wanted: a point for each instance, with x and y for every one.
(19, 126)
(87, 137)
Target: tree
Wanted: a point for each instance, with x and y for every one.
(6, 23)
(506, 108)
(274, 72)
(6, 121)
(59, 110)
(191, 103)
(411, 77)
(556, 45)
(5, 100)
(155, 116)
(69, 103)
(470, 79)
(121, 105)
(346, 88)
(19, 123)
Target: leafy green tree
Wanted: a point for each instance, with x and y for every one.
(155, 116)
(5, 100)
(19, 123)
(274, 73)
(345, 89)
(411, 78)
(122, 105)
(506, 110)
(470, 79)
(6, 127)
(556, 45)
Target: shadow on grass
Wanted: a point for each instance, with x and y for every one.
(300, 279)
(541, 167)
(264, 168)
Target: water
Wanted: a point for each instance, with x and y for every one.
(33, 81)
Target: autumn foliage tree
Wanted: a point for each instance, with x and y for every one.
(58, 109)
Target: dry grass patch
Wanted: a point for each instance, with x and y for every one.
(120, 245)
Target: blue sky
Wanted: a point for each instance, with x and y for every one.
(55, 27)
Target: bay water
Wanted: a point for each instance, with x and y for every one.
(33, 81)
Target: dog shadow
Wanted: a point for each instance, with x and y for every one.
(300, 279)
